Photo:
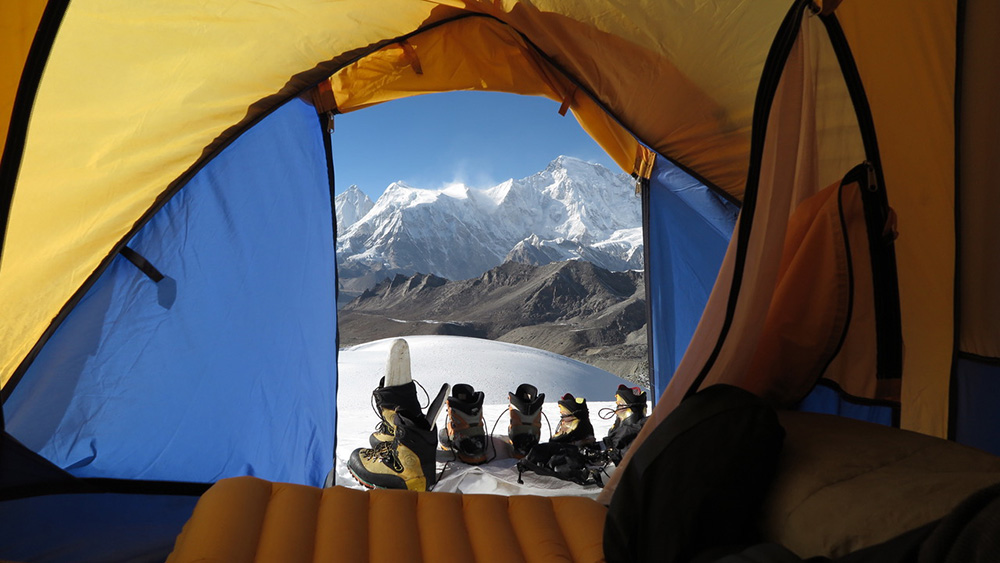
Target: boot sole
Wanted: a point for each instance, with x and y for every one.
(363, 483)
(421, 481)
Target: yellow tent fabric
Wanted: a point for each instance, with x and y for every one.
(979, 168)
(475, 53)
(790, 155)
(136, 96)
(913, 109)
(18, 23)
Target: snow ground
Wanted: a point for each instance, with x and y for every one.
(495, 368)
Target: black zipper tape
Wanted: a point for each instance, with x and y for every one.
(646, 211)
(888, 322)
(777, 57)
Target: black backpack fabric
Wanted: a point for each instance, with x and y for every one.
(697, 482)
(693, 491)
(618, 441)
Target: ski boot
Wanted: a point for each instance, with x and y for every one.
(525, 426)
(405, 462)
(630, 410)
(465, 432)
(574, 422)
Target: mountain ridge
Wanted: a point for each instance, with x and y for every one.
(573, 308)
(570, 210)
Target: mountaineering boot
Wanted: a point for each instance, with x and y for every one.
(525, 427)
(396, 392)
(465, 432)
(630, 406)
(388, 401)
(630, 413)
(405, 462)
(574, 422)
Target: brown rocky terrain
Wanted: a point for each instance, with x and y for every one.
(571, 308)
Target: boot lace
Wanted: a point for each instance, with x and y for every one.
(382, 426)
(607, 412)
(385, 454)
(565, 419)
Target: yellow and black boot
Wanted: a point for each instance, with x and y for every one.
(405, 462)
(630, 415)
(390, 400)
(574, 422)
(465, 432)
(525, 427)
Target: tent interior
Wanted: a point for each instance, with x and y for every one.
(816, 181)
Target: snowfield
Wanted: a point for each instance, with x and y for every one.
(495, 368)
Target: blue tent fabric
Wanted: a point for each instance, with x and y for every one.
(23, 468)
(825, 400)
(246, 249)
(977, 382)
(689, 228)
(75, 528)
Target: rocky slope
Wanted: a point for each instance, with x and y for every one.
(573, 308)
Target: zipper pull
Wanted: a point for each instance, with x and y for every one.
(872, 179)
(641, 184)
(889, 229)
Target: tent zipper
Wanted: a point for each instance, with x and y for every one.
(651, 376)
(878, 216)
(888, 323)
(774, 66)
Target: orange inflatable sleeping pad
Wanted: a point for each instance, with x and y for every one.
(250, 519)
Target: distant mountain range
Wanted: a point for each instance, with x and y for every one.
(572, 210)
(573, 308)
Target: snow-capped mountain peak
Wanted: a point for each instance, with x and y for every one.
(351, 206)
(571, 209)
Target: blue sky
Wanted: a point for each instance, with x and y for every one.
(477, 138)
